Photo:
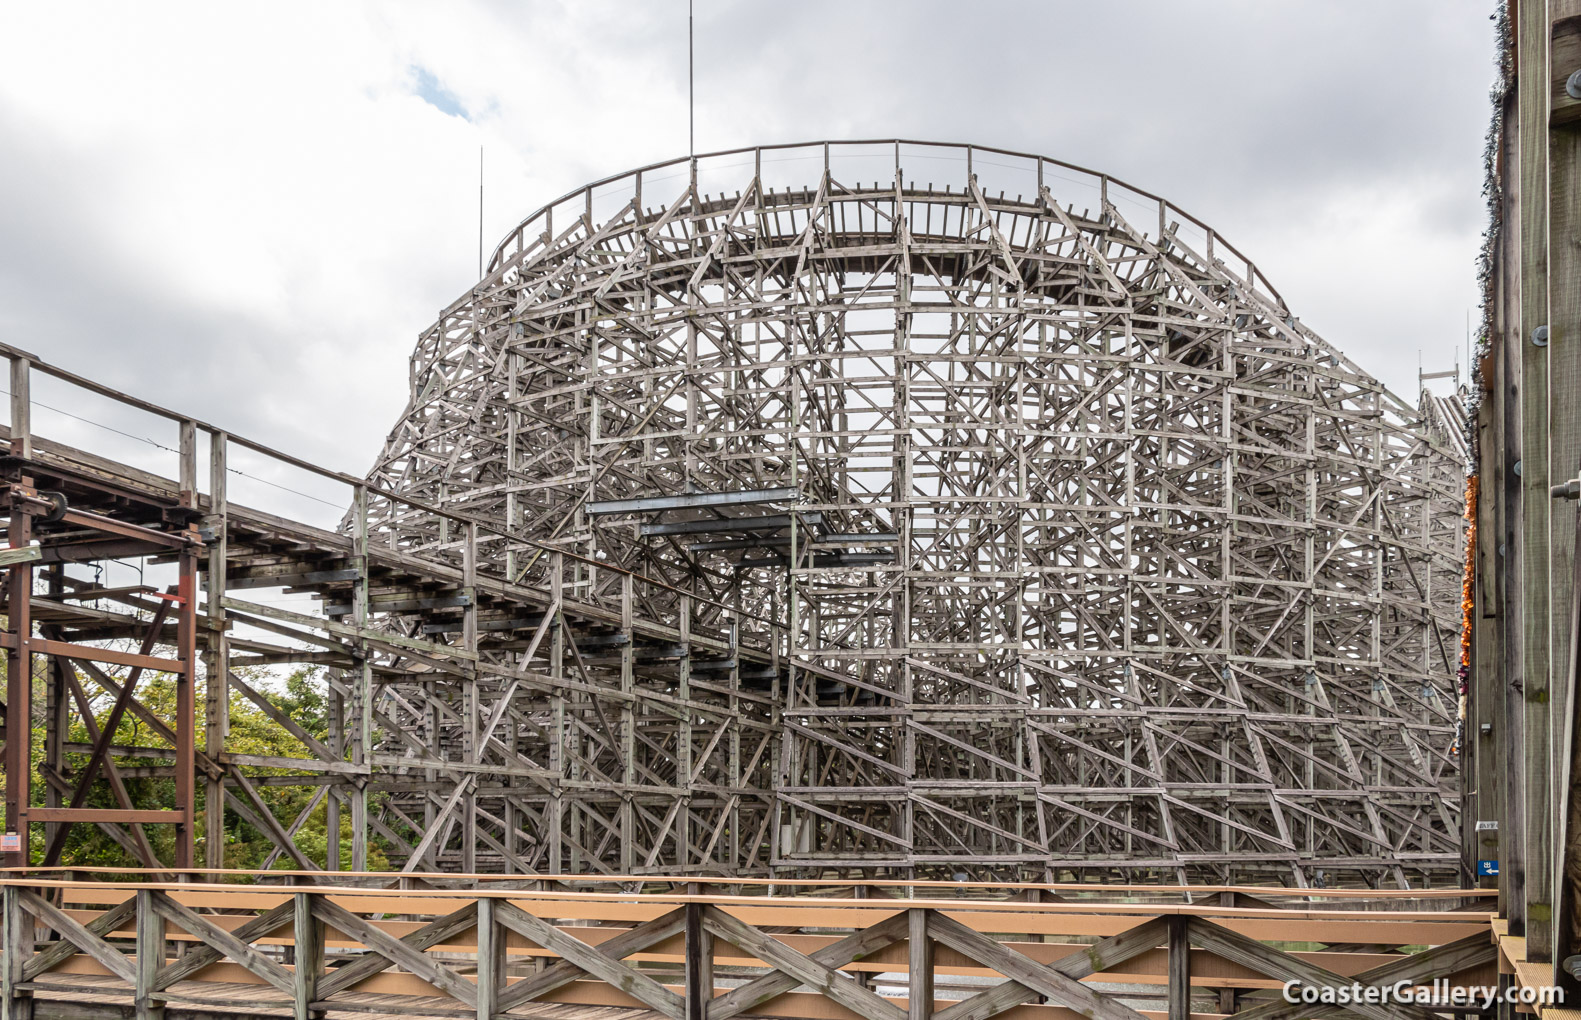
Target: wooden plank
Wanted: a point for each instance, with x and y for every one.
(150, 956)
(699, 967)
(1444, 961)
(195, 958)
(308, 941)
(835, 955)
(17, 942)
(639, 986)
(491, 960)
(919, 966)
(1245, 951)
(621, 946)
(92, 653)
(1043, 980)
(57, 952)
(436, 932)
(1179, 969)
(1535, 860)
(804, 969)
(397, 951)
(225, 942)
(109, 957)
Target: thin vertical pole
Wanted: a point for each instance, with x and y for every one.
(691, 101)
(480, 212)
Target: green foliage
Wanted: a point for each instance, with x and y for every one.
(301, 697)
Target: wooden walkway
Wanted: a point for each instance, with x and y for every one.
(94, 996)
(84, 950)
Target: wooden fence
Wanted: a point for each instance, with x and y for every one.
(83, 949)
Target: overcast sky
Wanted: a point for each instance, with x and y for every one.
(250, 213)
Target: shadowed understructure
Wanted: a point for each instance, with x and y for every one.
(1005, 520)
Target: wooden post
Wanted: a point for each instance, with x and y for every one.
(1536, 502)
(57, 715)
(1226, 995)
(21, 410)
(1564, 429)
(216, 684)
(150, 926)
(187, 466)
(308, 934)
(186, 706)
(472, 700)
(16, 927)
(19, 688)
(1179, 969)
(362, 686)
(919, 966)
(699, 962)
(491, 960)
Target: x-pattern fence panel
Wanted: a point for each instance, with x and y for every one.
(164, 948)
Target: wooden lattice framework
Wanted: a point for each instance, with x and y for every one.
(84, 950)
(1007, 525)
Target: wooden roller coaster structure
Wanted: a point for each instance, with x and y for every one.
(780, 512)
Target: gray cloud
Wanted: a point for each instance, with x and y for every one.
(252, 215)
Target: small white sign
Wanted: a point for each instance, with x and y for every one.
(1487, 826)
(10, 843)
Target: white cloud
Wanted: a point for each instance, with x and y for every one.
(250, 213)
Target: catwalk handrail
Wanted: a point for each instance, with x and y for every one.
(20, 395)
(299, 950)
(447, 883)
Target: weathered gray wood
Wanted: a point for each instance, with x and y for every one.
(56, 953)
(1106, 953)
(597, 366)
(919, 965)
(195, 958)
(71, 930)
(491, 960)
(1435, 962)
(224, 941)
(1179, 969)
(16, 947)
(833, 956)
(1249, 953)
(397, 951)
(563, 972)
(804, 969)
(639, 986)
(308, 942)
(1064, 991)
(699, 964)
(430, 934)
(150, 956)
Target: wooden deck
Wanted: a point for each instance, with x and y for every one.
(95, 996)
(188, 950)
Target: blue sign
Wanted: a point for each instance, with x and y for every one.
(1487, 867)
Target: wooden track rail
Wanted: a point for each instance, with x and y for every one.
(149, 948)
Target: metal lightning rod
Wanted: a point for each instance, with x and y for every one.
(480, 210)
(691, 109)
